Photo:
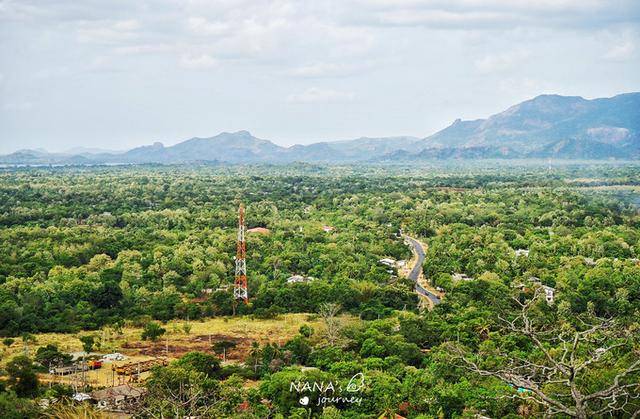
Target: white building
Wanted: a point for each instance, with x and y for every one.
(294, 279)
(388, 262)
(460, 277)
(522, 252)
(549, 293)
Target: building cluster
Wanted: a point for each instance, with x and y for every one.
(119, 398)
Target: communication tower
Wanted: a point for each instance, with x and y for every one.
(240, 291)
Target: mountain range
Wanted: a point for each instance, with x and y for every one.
(547, 126)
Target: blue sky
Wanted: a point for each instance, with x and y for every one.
(117, 74)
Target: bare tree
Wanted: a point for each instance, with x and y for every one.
(562, 373)
(328, 312)
(178, 396)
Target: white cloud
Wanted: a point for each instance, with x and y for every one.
(443, 18)
(17, 106)
(493, 14)
(415, 62)
(523, 88)
(501, 62)
(108, 32)
(126, 25)
(621, 52)
(316, 95)
(328, 69)
(51, 72)
(197, 62)
(143, 49)
(202, 26)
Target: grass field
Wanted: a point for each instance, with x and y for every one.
(174, 343)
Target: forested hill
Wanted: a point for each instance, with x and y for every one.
(548, 126)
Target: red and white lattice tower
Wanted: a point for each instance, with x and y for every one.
(240, 291)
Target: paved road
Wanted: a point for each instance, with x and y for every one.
(417, 269)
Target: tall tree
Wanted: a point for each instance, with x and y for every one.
(562, 371)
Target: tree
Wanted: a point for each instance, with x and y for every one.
(176, 391)
(50, 355)
(87, 342)
(285, 389)
(22, 376)
(300, 349)
(561, 374)
(108, 295)
(255, 353)
(8, 342)
(328, 312)
(12, 407)
(306, 330)
(152, 331)
(201, 362)
(221, 347)
(382, 394)
(27, 338)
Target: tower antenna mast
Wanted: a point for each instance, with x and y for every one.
(240, 291)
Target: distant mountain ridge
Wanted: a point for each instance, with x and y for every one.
(551, 126)
(547, 126)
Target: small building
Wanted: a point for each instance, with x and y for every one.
(327, 229)
(549, 293)
(534, 279)
(461, 277)
(119, 397)
(294, 279)
(116, 356)
(258, 230)
(522, 252)
(80, 397)
(388, 262)
(589, 262)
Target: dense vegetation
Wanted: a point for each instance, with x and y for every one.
(87, 247)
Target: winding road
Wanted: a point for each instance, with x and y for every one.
(417, 270)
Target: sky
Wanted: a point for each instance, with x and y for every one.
(118, 74)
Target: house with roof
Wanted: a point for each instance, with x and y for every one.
(120, 398)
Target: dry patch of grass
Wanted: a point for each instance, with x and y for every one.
(174, 343)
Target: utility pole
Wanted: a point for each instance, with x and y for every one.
(240, 291)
